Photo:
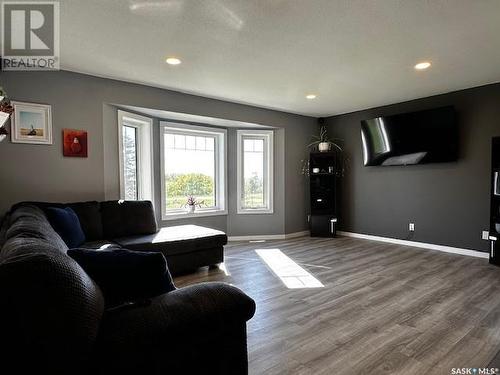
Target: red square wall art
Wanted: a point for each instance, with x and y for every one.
(75, 143)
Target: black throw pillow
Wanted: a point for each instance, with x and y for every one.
(125, 276)
(66, 223)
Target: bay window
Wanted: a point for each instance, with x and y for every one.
(193, 163)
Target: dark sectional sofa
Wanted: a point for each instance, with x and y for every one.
(132, 225)
(53, 318)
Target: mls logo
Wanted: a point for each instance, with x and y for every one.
(30, 35)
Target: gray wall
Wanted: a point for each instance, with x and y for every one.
(35, 172)
(449, 202)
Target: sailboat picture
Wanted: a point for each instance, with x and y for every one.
(31, 123)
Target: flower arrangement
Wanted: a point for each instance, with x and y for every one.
(6, 110)
(192, 202)
(5, 102)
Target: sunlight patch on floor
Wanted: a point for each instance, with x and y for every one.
(290, 273)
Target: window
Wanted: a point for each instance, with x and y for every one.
(134, 144)
(129, 144)
(255, 171)
(193, 163)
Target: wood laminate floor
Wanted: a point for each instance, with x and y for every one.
(383, 308)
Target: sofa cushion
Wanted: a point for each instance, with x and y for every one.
(174, 240)
(67, 225)
(125, 276)
(127, 218)
(88, 213)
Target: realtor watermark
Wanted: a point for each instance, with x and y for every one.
(30, 35)
(474, 371)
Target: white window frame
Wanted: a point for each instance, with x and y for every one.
(220, 149)
(145, 177)
(268, 137)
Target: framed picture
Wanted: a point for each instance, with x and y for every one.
(31, 123)
(75, 143)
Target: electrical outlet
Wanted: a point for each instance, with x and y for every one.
(411, 227)
(486, 235)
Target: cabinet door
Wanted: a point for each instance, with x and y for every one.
(322, 194)
(323, 225)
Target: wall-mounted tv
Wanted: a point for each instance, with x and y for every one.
(429, 136)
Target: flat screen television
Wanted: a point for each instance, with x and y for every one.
(429, 136)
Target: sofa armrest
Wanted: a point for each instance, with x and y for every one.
(205, 307)
(192, 330)
(209, 302)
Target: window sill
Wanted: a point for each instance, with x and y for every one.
(196, 214)
(255, 212)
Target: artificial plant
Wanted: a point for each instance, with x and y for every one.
(323, 138)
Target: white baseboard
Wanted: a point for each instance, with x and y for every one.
(264, 237)
(423, 245)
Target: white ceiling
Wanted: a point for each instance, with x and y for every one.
(353, 54)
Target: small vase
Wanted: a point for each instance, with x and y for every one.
(190, 208)
(324, 146)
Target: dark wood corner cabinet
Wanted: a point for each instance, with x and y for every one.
(495, 202)
(323, 193)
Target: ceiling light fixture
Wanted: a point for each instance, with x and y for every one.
(422, 65)
(311, 96)
(173, 61)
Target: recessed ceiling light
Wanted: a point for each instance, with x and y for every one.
(173, 61)
(311, 96)
(423, 65)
